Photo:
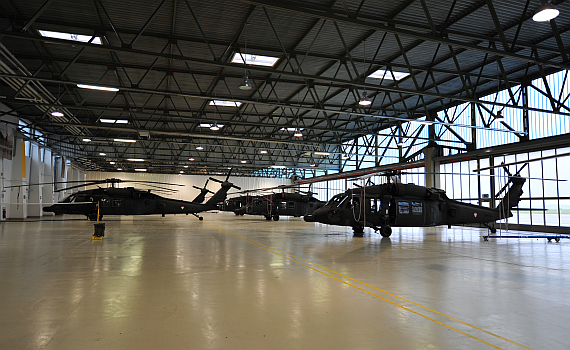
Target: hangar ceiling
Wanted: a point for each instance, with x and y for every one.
(167, 60)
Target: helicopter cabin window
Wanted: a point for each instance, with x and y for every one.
(290, 205)
(373, 206)
(417, 208)
(104, 202)
(282, 205)
(117, 203)
(403, 207)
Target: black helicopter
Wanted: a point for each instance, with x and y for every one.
(408, 205)
(96, 203)
(274, 205)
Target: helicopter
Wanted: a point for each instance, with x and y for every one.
(273, 205)
(96, 203)
(408, 205)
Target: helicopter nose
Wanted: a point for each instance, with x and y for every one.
(309, 218)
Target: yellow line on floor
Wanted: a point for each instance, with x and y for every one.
(305, 263)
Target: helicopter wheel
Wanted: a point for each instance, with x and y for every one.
(275, 217)
(385, 230)
(493, 230)
(92, 217)
(358, 231)
(200, 218)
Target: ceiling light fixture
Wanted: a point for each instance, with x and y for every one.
(278, 166)
(86, 140)
(125, 140)
(243, 161)
(400, 144)
(135, 160)
(222, 103)
(112, 163)
(102, 154)
(263, 151)
(298, 133)
(313, 165)
(214, 127)
(70, 36)
(96, 87)
(322, 153)
(191, 159)
(364, 100)
(545, 12)
(199, 148)
(140, 169)
(57, 113)
(114, 121)
(245, 85)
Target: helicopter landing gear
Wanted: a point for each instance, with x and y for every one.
(358, 231)
(198, 216)
(267, 217)
(92, 217)
(385, 230)
(493, 229)
(275, 217)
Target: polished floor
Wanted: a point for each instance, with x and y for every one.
(246, 283)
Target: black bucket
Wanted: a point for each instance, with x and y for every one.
(99, 230)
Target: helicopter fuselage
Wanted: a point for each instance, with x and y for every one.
(404, 205)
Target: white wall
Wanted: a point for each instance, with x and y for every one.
(187, 192)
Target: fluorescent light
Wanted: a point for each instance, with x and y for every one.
(222, 103)
(70, 36)
(95, 87)
(140, 169)
(400, 144)
(86, 140)
(313, 165)
(191, 159)
(112, 163)
(243, 161)
(125, 140)
(322, 153)
(256, 60)
(185, 166)
(263, 151)
(119, 169)
(386, 74)
(181, 172)
(135, 160)
(210, 126)
(57, 113)
(278, 166)
(298, 133)
(199, 148)
(545, 12)
(114, 121)
(102, 154)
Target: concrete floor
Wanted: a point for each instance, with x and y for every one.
(246, 283)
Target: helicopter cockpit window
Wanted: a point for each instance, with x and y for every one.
(417, 208)
(403, 207)
(104, 202)
(336, 201)
(117, 203)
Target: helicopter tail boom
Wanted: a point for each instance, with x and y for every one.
(512, 197)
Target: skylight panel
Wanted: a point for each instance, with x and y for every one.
(70, 36)
(224, 103)
(386, 74)
(256, 60)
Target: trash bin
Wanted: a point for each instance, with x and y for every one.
(99, 230)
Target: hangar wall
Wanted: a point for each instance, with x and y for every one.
(188, 192)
